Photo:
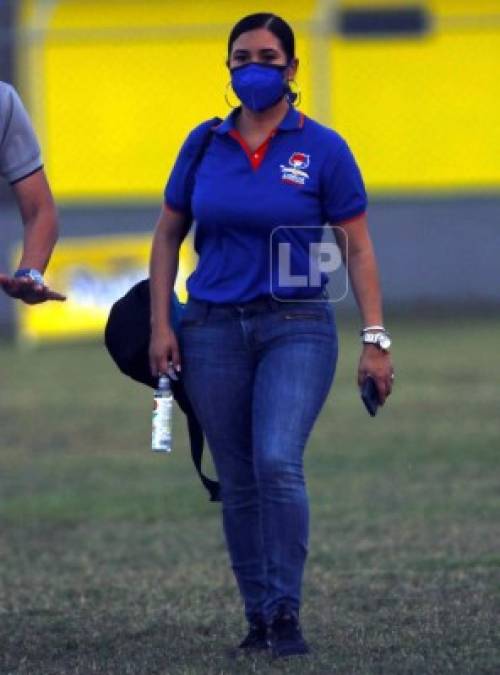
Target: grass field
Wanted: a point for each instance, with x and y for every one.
(113, 562)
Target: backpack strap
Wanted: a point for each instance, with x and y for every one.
(195, 440)
(127, 336)
(205, 141)
(200, 152)
(194, 429)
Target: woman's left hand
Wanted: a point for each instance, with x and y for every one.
(376, 363)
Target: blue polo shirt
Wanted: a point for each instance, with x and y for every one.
(259, 213)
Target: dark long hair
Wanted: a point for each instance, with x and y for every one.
(272, 23)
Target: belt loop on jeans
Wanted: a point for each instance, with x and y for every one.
(208, 307)
(273, 303)
(204, 305)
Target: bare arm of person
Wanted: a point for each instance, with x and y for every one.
(39, 215)
(169, 232)
(359, 257)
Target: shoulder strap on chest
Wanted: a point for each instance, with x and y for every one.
(200, 151)
(205, 141)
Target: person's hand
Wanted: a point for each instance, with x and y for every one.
(27, 290)
(164, 355)
(376, 363)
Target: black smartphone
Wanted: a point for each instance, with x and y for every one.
(369, 396)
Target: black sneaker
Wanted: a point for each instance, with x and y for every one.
(257, 637)
(286, 636)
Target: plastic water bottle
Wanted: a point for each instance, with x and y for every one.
(162, 416)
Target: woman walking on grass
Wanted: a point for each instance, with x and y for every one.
(258, 349)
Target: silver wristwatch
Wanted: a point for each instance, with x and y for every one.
(378, 337)
(29, 273)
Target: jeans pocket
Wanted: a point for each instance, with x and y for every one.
(194, 314)
(304, 315)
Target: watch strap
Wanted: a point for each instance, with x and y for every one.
(29, 272)
(368, 329)
(377, 338)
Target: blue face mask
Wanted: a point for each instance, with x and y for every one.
(258, 85)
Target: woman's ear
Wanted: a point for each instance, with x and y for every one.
(292, 69)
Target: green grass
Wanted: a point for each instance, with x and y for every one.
(113, 561)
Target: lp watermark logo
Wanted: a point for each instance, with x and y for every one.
(305, 258)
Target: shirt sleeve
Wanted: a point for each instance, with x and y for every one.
(343, 191)
(19, 149)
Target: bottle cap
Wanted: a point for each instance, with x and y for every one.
(163, 381)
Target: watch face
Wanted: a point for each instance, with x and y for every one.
(35, 276)
(385, 342)
(381, 340)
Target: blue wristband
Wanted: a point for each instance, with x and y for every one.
(32, 274)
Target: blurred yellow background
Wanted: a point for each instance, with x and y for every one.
(93, 272)
(116, 86)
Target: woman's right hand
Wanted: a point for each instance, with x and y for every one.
(163, 351)
(27, 290)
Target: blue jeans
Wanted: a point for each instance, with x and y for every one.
(257, 375)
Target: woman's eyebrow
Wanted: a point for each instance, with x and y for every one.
(263, 50)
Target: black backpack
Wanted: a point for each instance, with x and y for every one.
(127, 335)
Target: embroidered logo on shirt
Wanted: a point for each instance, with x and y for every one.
(295, 173)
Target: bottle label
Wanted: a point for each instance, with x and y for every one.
(162, 425)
